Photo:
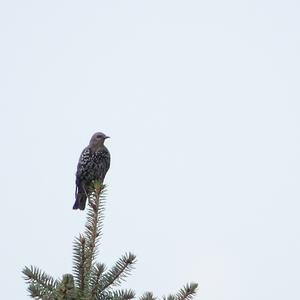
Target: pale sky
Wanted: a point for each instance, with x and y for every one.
(201, 100)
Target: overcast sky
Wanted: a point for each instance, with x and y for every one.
(201, 99)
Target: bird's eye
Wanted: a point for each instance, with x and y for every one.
(99, 136)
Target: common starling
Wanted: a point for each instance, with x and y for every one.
(93, 164)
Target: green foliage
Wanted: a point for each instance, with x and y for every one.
(91, 280)
(41, 285)
(66, 288)
(118, 272)
(147, 296)
(186, 293)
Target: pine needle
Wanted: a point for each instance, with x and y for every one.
(119, 271)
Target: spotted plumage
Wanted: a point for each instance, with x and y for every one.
(93, 164)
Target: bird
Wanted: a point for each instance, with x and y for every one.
(93, 164)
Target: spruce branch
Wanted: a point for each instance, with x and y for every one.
(37, 292)
(34, 275)
(96, 275)
(92, 234)
(187, 292)
(147, 296)
(41, 285)
(119, 271)
(170, 297)
(90, 280)
(66, 289)
(94, 224)
(79, 259)
(122, 295)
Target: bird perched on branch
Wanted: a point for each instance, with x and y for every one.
(93, 164)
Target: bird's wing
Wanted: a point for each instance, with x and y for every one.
(106, 155)
(83, 161)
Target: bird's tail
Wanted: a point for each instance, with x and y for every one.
(80, 199)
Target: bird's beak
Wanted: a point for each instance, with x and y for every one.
(107, 137)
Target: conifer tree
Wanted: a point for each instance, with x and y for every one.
(91, 280)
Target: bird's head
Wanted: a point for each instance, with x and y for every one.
(97, 140)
